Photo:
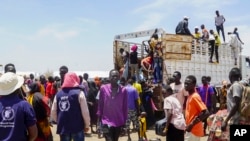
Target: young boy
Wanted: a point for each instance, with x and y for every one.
(143, 127)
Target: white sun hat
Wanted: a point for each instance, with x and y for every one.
(186, 17)
(9, 82)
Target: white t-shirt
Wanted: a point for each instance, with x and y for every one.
(219, 20)
(98, 95)
(179, 91)
(172, 103)
(211, 37)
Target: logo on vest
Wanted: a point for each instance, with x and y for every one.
(64, 104)
(8, 114)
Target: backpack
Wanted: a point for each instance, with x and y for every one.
(245, 102)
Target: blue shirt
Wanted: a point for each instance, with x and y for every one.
(16, 115)
(206, 91)
(132, 97)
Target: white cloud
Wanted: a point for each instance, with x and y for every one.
(149, 6)
(173, 4)
(86, 20)
(56, 32)
(151, 21)
(238, 18)
(208, 4)
(60, 35)
(158, 10)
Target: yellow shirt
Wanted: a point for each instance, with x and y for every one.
(143, 126)
(197, 35)
(153, 42)
(217, 39)
(137, 86)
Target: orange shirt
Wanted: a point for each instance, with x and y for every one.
(194, 106)
(146, 61)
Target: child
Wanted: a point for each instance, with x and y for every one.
(143, 127)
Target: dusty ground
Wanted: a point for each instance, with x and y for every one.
(134, 136)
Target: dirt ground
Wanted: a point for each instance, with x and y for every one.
(93, 137)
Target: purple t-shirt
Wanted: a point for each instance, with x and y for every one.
(16, 116)
(113, 110)
(209, 90)
(132, 97)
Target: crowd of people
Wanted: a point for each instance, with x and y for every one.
(33, 106)
(129, 64)
(29, 106)
(39, 103)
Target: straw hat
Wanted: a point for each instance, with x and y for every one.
(9, 82)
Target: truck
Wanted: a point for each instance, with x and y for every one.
(184, 54)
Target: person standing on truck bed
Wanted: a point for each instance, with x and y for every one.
(147, 66)
(205, 34)
(197, 34)
(236, 34)
(125, 58)
(153, 40)
(215, 46)
(133, 57)
(182, 27)
(219, 21)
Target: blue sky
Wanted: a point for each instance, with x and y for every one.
(42, 35)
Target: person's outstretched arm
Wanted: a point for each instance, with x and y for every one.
(237, 35)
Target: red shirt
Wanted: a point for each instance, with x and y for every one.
(50, 90)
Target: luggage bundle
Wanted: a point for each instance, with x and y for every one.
(214, 123)
(159, 127)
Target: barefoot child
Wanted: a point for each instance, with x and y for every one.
(143, 127)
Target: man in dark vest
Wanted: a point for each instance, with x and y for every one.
(70, 110)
